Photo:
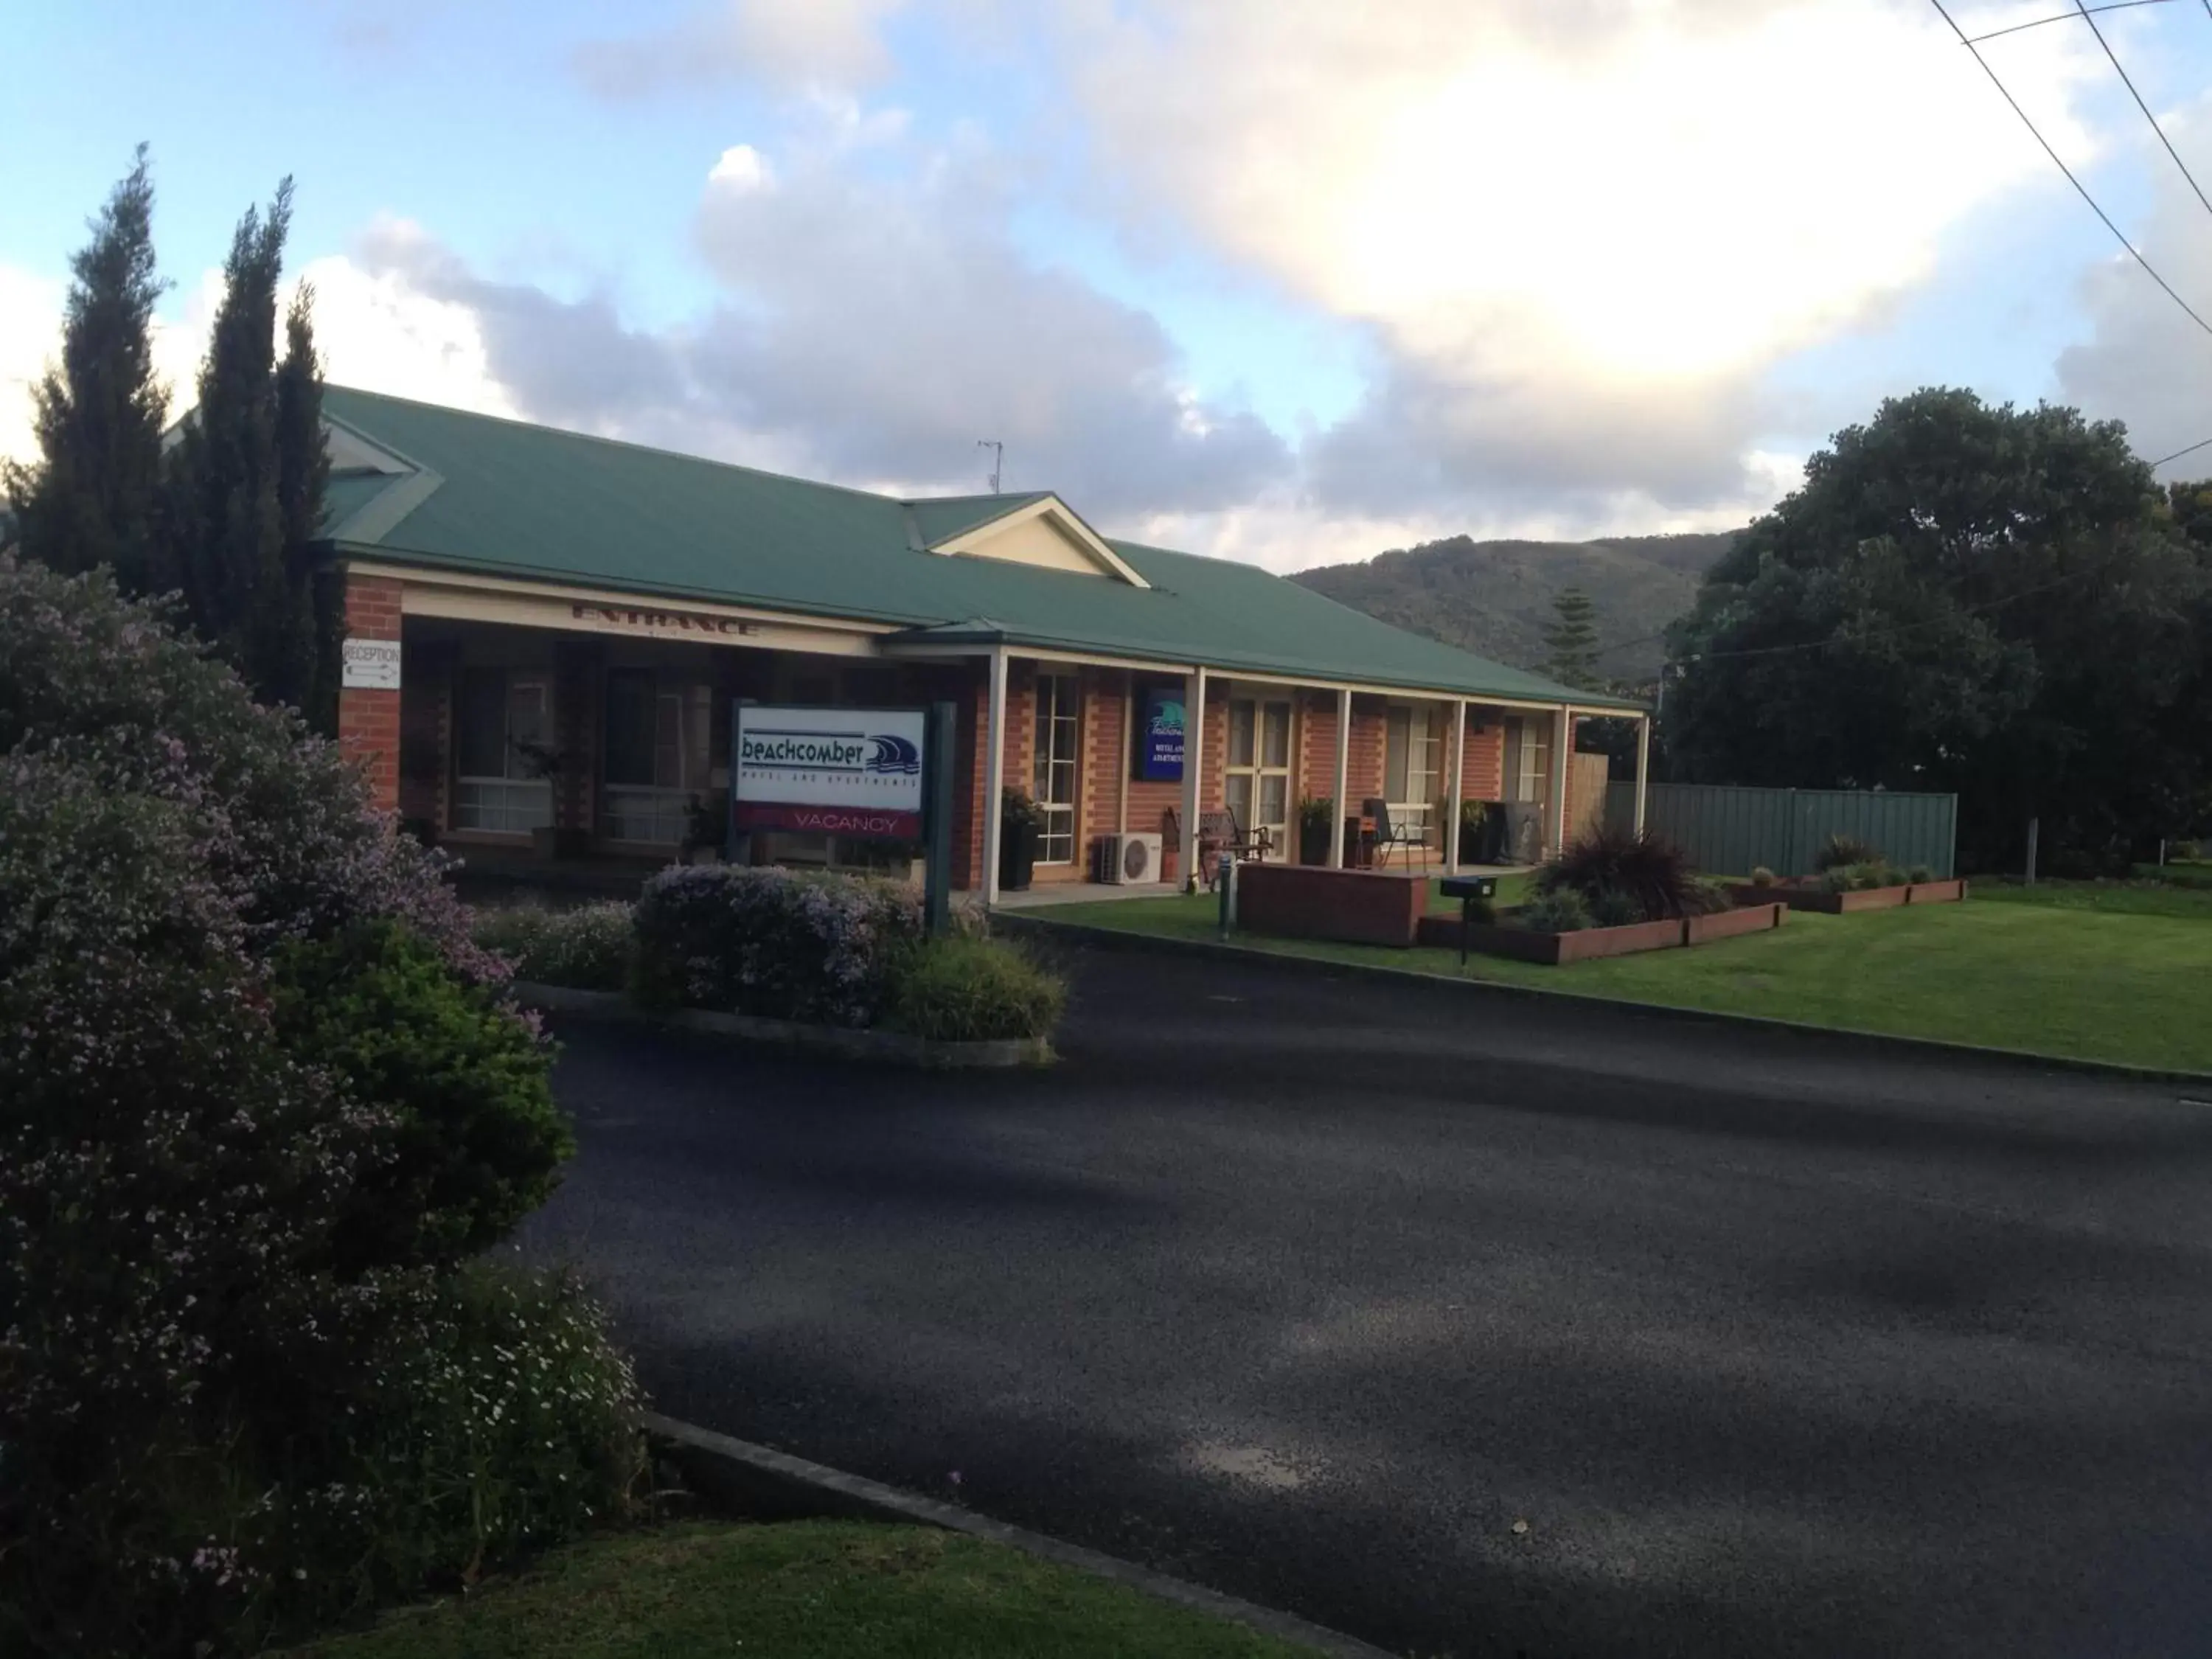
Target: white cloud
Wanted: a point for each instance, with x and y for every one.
(2144, 362)
(787, 44)
(372, 329)
(30, 337)
(1582, 231)
(740, 167)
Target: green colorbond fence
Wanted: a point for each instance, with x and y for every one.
(1729, 830)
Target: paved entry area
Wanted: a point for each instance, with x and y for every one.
(1468, 1324)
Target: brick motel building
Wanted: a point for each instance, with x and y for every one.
(546, 632)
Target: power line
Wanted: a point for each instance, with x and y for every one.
(2193, 448)
(2068, 17)
(2128, 82)
(2171, 293)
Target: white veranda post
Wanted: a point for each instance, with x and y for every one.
(1343, 780)
(994, 773)
(1563, 738)
(1193, 766)
(1642, 769)
(1448, 843)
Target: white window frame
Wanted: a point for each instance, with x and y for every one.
(1258, 769)
(1058, 709)
(1421, 787)
(511, 802)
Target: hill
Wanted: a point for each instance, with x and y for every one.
(1494, 598)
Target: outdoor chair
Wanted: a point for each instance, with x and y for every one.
(1219, 833)
(1389, 834)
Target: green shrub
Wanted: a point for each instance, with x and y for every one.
(475, 1138)
(1762, 877)
(1611, 907)
(587, 949)
(1653, 874)
(775, 943)
(966, 989)
(1841, 849)
(1920, 872)
(1860, 878)
(1562, 910)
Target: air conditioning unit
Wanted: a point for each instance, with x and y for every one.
(1123, 860)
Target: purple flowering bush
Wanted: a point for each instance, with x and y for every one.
(777, 943)
(240, 1019)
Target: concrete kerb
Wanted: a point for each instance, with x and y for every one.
(888, 1048)
(762, 1481)
(1122, 939)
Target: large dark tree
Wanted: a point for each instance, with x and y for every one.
(90, 498)
(245, 476)
(1990, 600)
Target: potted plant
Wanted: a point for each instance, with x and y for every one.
(1314, 812)
(1471, 845)
(1020, 822)
(547, 762)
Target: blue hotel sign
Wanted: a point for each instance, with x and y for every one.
(1159, 746)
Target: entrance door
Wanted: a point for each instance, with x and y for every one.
(1258, 773)
(1058, 730)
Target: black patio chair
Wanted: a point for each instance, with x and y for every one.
(1389, 834)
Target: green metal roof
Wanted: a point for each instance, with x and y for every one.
(503, 498)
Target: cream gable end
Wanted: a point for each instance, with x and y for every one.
(1045, 534)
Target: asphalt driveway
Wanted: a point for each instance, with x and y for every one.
(1467, 1324)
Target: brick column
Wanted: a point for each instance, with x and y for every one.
(368, 720)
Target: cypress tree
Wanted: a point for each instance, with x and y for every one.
(312, 619)
(246, 477)
(92, 497)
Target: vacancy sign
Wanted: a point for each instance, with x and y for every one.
(838, 771)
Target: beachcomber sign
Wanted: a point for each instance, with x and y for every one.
(840, 771)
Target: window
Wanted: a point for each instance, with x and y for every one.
(657, 753)
(1528, 760)
(1412, 764)
(504, 729)
(1256, 783)
(1058, 705)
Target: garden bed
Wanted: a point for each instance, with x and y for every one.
(1824, 903)
(1589, 944)
(850, 1042)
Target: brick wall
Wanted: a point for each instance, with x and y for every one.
(1105, 778)
(369, 721)
(1483, 758)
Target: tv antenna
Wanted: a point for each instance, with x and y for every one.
(997, 458)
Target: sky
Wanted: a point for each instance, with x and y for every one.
(1288, 281)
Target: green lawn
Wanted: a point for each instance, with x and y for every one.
(2093, 971)
(806, 1589)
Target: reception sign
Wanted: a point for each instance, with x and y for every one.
(1160, 737)
(838, 771)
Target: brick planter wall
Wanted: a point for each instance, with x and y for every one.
(1352, 906)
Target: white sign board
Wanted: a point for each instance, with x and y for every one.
(371, 665)
(842, 771)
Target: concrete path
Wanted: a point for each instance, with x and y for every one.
(1467, 1325)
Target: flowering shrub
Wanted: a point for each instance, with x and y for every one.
(587, 949)
(200, 928)
(775, 943)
